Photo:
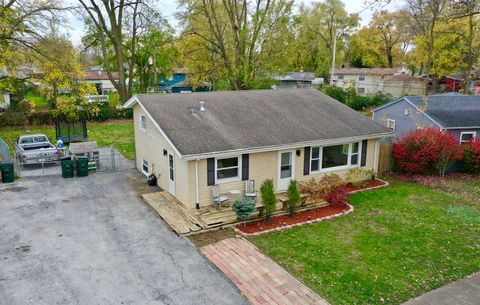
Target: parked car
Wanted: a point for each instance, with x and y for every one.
(35, 149)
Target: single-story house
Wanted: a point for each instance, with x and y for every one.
(193, 141)
(100, 79)
(298, 80)
(453, 112)
(179, 83)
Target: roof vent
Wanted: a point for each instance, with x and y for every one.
(202, 106)
(194, 111)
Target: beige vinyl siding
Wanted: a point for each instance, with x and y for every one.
(262, 166)
(149, 145)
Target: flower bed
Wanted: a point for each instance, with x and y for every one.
(282, 222)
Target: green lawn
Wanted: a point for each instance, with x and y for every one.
(116, 134)
(40, 101)
(400, 242)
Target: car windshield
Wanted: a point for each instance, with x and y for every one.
(37, 139)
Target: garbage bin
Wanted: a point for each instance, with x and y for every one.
(8, 173)
(67, 167)
(82, 166)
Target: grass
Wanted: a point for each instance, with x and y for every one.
(118, 134)
(400, 242)
(40, 101)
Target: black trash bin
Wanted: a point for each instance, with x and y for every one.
(82, 166)
(8, 172)
(67, 167)
(152, 180)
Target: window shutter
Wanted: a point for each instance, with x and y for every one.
(211, 171)
(306, 161)
(364, 153)
(245, 166)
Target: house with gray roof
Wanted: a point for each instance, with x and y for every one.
(453, 112)
(194, 141)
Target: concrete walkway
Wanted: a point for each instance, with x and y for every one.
(259, 278)
(463, 292)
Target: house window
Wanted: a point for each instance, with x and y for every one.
(391, 124)
(468, 136)
(340, 76)
(143, 122)
(228, 169)
(335, 157)
(145, 168)
(361, 90)
(315, 160)
(354, 156)
(361, 78)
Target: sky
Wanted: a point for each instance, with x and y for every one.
(74, 25)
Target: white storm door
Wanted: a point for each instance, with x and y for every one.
(286, 169)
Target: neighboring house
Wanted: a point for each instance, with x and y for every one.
(193, 141)
(298, 80)
(4, 100)
(403, 84)
(100, 79)
(367, 81)
(178, 83)
(456, 113)
(450, 83)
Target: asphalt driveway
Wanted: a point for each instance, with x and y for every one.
(93, 241)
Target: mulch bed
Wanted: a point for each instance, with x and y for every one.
(304, 217)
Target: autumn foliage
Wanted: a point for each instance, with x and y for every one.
(471, 156)
(426, 150)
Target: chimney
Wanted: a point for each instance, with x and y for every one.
(202, 106)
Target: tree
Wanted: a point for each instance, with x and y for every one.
(114, 27)
(425, 16)
(293, 197)
(268, 197)
(58, 63)
(326, 22)
(243, 208)
(245, 36)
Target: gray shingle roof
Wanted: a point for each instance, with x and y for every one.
(451, 110)
(236, 120)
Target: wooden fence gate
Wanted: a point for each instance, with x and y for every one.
(385, 158)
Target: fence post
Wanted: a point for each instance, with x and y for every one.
(112, 151)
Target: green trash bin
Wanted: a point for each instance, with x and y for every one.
(8, 172)
(67, 167)
(82, 166)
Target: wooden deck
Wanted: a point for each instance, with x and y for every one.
(185, 221)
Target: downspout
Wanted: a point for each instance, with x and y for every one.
(375, 156)
(197, 195)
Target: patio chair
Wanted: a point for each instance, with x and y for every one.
(250, 191)
(218, 199)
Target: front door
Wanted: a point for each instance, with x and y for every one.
(286, 169)
(171, 174)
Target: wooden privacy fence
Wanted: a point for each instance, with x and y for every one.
(385, 158)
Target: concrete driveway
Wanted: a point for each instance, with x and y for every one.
(93, 241)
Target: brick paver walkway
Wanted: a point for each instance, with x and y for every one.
(259, 278)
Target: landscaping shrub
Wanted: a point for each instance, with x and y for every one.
(358, 176)
(316, 190)
(426, 150)
(268, 197)
(471, 156)
(337, 197)
(293, 196)
(243, 208)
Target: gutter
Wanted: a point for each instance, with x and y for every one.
(283, 147)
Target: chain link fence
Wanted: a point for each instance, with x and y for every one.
(108, 159)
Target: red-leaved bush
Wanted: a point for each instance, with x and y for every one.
(426, 150)
(471, 156)
(337, 197)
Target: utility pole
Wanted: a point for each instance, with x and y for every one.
(333, 58)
